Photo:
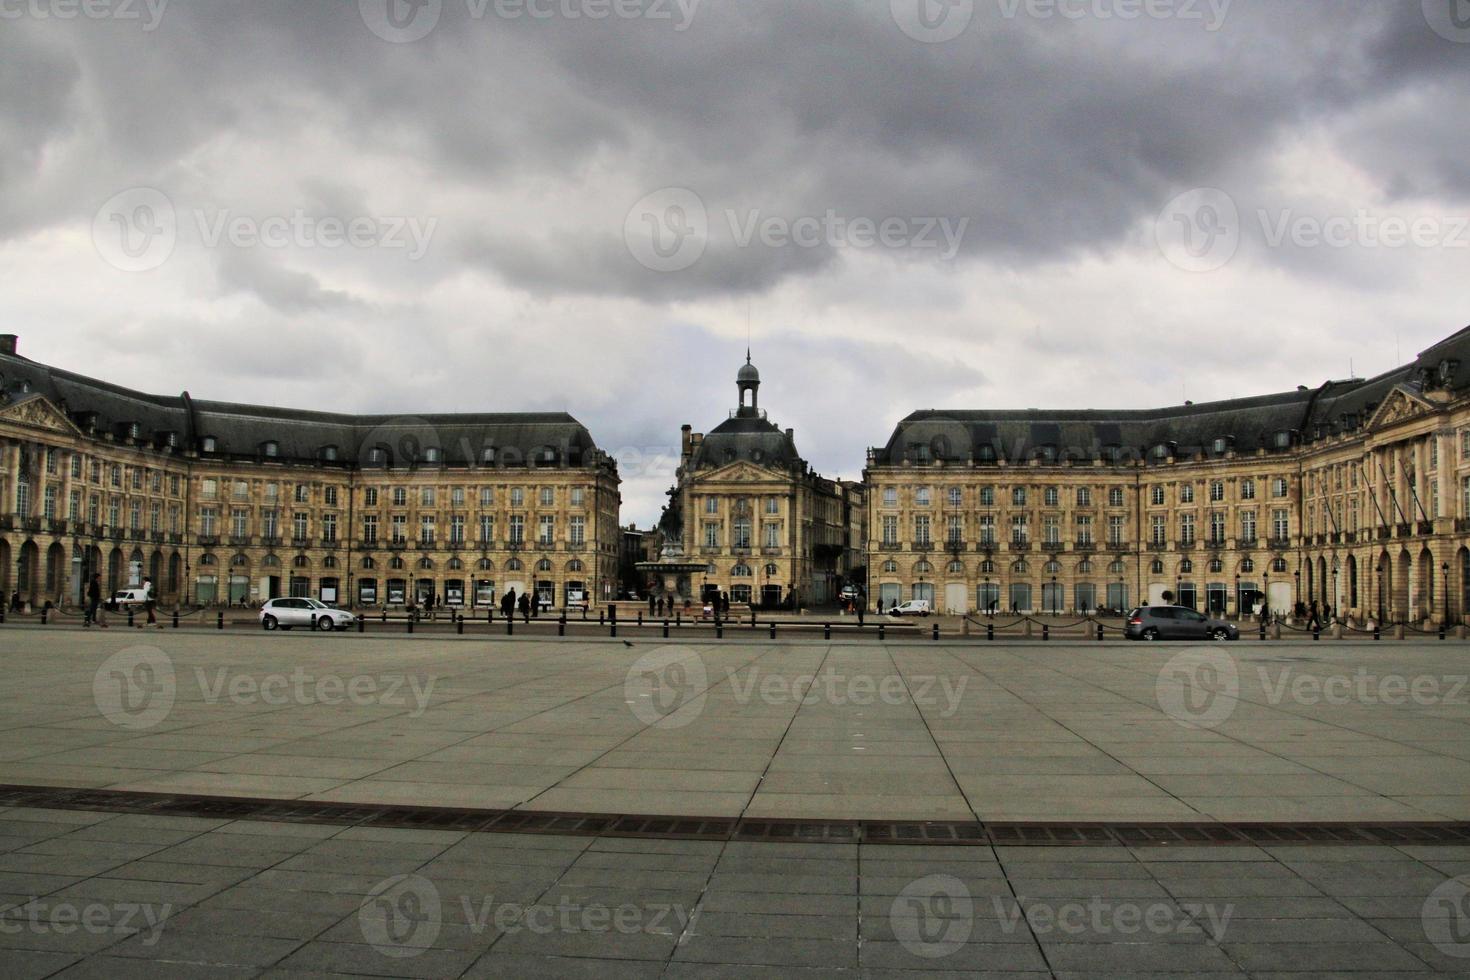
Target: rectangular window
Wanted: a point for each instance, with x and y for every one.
(711, 505)
(1278, 487)
(1281, 524)
(1050, 496)
(1217, 528)
(711, 534)
(578, 495)
(1156, 496)
(329, 496)
(1247, 527)
(399, 529)
(546, 529)
(487, 528)
(299, 526)
(548, 496)
(74, 505)
(1186, 529)
(956, 496)
(208, 488)
(155, 518)
(1084, 496)
(370, 529)
(426, 529)
(517, 497)
(400, 496)
(1051, 530)
(329, 527)
(370, 497)
(1018, 497)
(207, 519)
(456, 529)
(1020, 531)
(577, 529)
(48, 504)
(1186, 493)
(456, 497)
(987, 496)
(742, 532)
(1084, 529)
(921, 530)
(1115, 496)
(773, 505)
(76, 467)
(239, 522)
(517, 529)
(890, 523)
(921, 496)
(1247, 489)
(987, 529)
(1158, 529)
(269, 523)
(773, 534)
(303, 494)
(426, 496)
(1217, 491)
(487, 497)
(955, 533)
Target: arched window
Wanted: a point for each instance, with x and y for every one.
(544, 565)
(1084, 567)
(455, 564)
(922, 567)
(396, 564)
(956, 568)
(741, 570)
(485, 565)
(207, 559)
(1157, 567)
(240, 561)
(300, 561)
(514, 565)
(1020, 568)
(426, 563)
(330, 561)
(1278, 565)
(1247, 565)
(1216, 566)
(1117, 567)
(987, 567)
(771, 569)
(271, 561)
(890, 567)
(367, 564)
(575, 565)
(1053, 567)
(1186, 566)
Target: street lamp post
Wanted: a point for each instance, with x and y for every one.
(1266, 596)
(1239, 611)
(1380, 591)
(1336, 596)
(1054, 609)
(1445, 572)
(1298, 574)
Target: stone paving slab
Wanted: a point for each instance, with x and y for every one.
(900, 730)
(572, 906)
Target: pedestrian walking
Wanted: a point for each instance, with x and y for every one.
(525, 607)
(94, 600)
(150, 604)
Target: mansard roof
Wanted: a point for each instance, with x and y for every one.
(244, 431)
(1239, 424)
(751, 438)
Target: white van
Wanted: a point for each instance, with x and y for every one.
(914, 607)
(129, 598)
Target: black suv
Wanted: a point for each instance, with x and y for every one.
(1176, 623)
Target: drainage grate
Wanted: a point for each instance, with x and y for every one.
(939, 833)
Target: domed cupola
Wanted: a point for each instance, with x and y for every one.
(748, 380)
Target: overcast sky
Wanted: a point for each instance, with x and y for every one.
(457, 205)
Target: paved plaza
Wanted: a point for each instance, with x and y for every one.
(912, 731)
(107, 896)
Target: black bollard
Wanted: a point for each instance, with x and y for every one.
(773, 629)
(1376, 634)
(561, 627)
(1045, 631)
(640, 617)
(678, 618)
(46, 616)
(936, 632)
(881, 629)
(1441, 631)
(601, 619)
(1099, 633)
(510, 626)
(130, 617)
(827, 631)
(666, 629)
(361, 623)
(719, 630)
(459, 626)
(990, 631)
(176, 619)
(612, 627)
(1263, 630)
(1316, 633)
(410, 624)
(220, 621)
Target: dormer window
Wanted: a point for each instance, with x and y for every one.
(270, 450)
(377, 456)
(1047, 454)
(169, 439)
(985, 453)
(209, 444)
(1447, 370)
(1161, 452)
(1283, 439)
(134, 430)
(433, 454)
(487, 455)
(1221, 445)
(546, 457)
(329, 454)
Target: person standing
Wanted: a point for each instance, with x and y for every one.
(94, 599)
(525, 602)
(149, 603)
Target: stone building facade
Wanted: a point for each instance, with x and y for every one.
(773, 532)
(1355, 494)
(228, 504)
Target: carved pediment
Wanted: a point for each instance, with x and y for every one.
(1399, 406)
(37, 412)
(741, 472)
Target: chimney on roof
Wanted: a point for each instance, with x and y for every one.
(8, 343)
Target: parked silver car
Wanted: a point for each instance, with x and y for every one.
(289, 613)
(1176, 623)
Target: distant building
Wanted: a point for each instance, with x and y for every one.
(773, 532)
(220, 503)
(1355, 494)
